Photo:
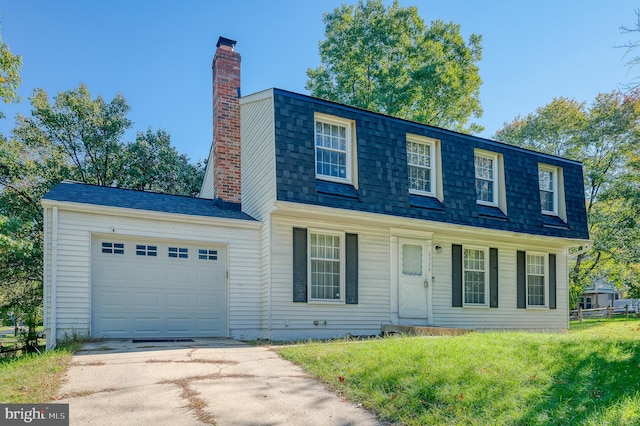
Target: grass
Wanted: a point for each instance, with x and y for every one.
(34, 378)
(589, 376)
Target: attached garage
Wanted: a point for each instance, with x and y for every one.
(132, 264)
(152, 288)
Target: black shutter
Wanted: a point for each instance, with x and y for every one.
(456, 275)
(351, 269)
(493, 277)
(299, 264)
(552, 281)
(521, 277)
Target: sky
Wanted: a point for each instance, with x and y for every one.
(158, 53)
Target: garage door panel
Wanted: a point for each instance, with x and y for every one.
(178, 325)
(114, 326)
(146, 300)
(147, 325)
(154, 296)
(112, 274)
(211, 325)
(112, 300)
(205, 301)
(178, 301)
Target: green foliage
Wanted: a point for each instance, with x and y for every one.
(75, 137)
(34, 378)
(387, 60)
(10, 79)
(86, 132)
(604, 137)
(152, 163)
(487, 378)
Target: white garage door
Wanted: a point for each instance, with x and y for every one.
(157, 289)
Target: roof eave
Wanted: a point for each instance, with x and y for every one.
(150, 214)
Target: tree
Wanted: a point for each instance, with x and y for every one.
(80, 138)
(387, 60)
(10, 79)
(630, 47)
(604, 137)
(24, 177)
(86, 131)
(152, 163)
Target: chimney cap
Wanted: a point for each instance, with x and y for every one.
(223, 41)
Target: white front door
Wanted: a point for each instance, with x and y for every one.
(414, 269)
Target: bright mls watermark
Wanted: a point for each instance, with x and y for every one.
(34, 414)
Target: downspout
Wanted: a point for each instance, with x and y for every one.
(51, 340)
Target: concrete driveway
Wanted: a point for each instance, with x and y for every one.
(203, 382)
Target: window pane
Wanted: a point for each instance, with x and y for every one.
(325, 266)
(474, 276)
(545, 178)
(411, 259)
(546, 201)
(484, 171)
(484, 167)
(484, 190)
(535, 279)
(536, 290)
(331, 150)
(419, 166)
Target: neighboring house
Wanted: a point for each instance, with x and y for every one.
(318, 220)
(600, 294)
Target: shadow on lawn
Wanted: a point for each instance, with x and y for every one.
(590, 386)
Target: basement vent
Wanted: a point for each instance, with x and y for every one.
(161, 340)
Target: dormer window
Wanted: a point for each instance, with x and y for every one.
(334, 148)
(486, 171)
(423, 166)
(548, 185)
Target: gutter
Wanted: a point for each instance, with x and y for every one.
(149, 214)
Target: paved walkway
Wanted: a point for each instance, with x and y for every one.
(208, 381)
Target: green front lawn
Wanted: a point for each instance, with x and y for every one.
(589, 376)
(34, 378)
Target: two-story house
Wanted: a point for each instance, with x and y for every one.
(319, 220)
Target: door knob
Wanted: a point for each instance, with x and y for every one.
(426, 283)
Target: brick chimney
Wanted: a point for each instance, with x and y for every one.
(226, 122)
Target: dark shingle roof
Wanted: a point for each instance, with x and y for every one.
(125, 198)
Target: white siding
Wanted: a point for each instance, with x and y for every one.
(258, 154)
(259, 181)
(206, 189)
(73, 295)
(378, 281)
(296, 320)
(507, 315)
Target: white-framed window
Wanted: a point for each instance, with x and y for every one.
(109, 247)
(333, 148)
(326, 266)
(536, 279)
(178, 252)
(205, 254)
(475, 274)
(422, 165)
(145, 250)
(548, 185)
(487, 172)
